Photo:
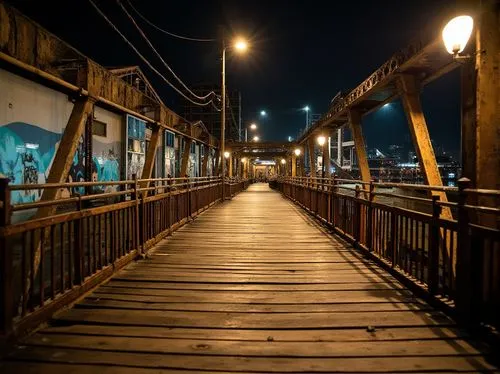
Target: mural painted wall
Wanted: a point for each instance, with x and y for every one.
(136, 146)
(32, 119)
(107, 150)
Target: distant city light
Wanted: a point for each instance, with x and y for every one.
(253, 126)
(263, 113)
(306, 108)
(256, 138)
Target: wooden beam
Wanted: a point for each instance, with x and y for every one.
(408, 88)
(206, 154)
(230, 167)
(326, 155)
(359, 145)
(312, 158)
(154, 142)
(185, 156)
(294, 165)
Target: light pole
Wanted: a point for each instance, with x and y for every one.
(240, 45)
(252, 126)
(321, 142)
(306, 109)
(297, 152)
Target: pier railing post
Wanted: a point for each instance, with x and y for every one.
(434, 237)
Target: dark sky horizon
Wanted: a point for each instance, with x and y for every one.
(302, 53)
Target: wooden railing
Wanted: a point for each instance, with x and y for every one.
(454, 261)
(48, 260)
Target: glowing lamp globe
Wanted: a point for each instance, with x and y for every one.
(456, 34)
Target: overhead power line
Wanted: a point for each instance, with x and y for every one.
(167, 32)
(144, 58)
(211, 93)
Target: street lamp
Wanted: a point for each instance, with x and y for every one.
(456, 34)
(256, 138)
(297, 152)
(239, 45)
(307, 109)
(227, 154)
(253, 126)
(263, 113)
(321, 141)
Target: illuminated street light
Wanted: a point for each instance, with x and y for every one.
(456, 34)
(283, 161)
(253, 126)
(307, 109)
(321, 140)
(263, 113)
(240, 45)
(297, 152)
(244, 159)
(256, 138)
(227, 154)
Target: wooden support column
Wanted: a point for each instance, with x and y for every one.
(185, 156)
(359, 145)
(216, 169)
(312, 158)
(326, 155)
(294, 165)
(230, 168)
(421, 140)
(206, 154)
(63, 158)
(149, 162)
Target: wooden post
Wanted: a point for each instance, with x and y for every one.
(312, 158)
(204, 163)
(294, 165)
(359, 144)
(185, 156)
(421, 140)
(216, 169)
(230, 168)
(434, 238)
(147, 170)
(326, 156)
(6, 263)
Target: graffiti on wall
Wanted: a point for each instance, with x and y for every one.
(27, 152)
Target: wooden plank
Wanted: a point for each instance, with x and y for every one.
(249, 320)
(253, 364)
(257, 348)
(327, 335)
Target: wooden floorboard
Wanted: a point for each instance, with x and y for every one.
(253, 285)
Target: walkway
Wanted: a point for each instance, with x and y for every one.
(253, 285)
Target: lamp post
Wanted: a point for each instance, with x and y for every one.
(297, 153)
(283, 167)
(307, 109)
(240, 45)
(321, 141)
(456, 34)
(253, 126)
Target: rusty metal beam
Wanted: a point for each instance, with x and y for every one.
(312, 158)
(359, 145)
(206, 154)
(185, 156)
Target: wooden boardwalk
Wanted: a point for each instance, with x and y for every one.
(256, 286)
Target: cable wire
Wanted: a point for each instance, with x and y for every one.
(142, 57)
(165, 31)
(211, 93)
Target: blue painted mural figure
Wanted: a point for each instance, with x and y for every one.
(27, 152)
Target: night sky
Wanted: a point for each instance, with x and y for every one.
(302, 53)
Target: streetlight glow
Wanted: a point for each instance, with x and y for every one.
(253, 126)
(456, 34)
(256, 138)
(244, 159)
(227, 154)
(297, 152)
(263, 113)
(321, 140)
(240, 45)
(306, 108)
